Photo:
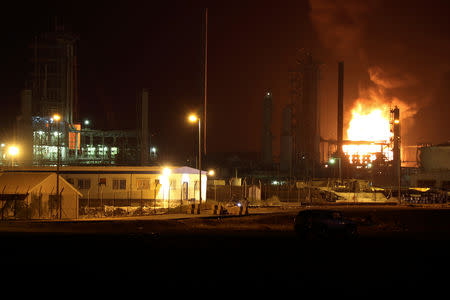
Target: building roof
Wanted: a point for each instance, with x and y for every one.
(109, 169)
(26, 182)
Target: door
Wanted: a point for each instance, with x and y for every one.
(184, 191)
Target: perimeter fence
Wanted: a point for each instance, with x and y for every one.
(95, 204)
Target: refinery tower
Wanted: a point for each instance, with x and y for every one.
(52, 90)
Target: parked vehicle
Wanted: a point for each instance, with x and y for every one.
(323, 224)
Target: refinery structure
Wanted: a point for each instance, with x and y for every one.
(116, 172)
(51, 92)
(50, 132)
(305, 154)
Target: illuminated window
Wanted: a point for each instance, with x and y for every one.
(119, 184)
(173, 184)
(143, 184)
(84, 184)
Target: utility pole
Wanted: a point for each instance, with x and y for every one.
(199, 165)
(57, 119)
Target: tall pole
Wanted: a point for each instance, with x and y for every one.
(199, 165)
(340, 116)
(206, 78)
(58, 198)
(397, 153)
(340, 172)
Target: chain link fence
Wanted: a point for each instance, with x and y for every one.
(96, 204)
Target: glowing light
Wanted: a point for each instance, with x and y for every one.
(211, 173)
(192, 118)
(86, 122)
(56, 117)
(396, 121)
(165, 183)
(332, 160)
(371, 124)
(153, 149)
(167, 171)
(13, 150)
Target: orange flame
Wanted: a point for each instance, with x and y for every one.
(370, 116)
(370, 124)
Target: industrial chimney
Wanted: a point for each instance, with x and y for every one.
(396, 148)
(266, 143)
(286, 140)
(340, 117)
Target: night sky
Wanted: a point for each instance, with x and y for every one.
(125, 46)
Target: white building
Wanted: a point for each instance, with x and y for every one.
(171, 186)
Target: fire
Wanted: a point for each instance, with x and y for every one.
(369, 124)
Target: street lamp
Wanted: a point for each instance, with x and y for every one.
(332, 161)
(193, 118)
(57, 118)
(153, 152)
(13, 151)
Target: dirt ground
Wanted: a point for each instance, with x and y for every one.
(399, 248)
(406, 221)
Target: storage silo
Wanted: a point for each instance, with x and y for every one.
(286, 141)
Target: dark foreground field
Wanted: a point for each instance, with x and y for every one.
(395, 252)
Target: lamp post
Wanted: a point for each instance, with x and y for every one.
(57, 118)
(193, 118)
(332, 161)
